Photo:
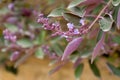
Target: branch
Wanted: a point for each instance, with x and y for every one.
(101, 12)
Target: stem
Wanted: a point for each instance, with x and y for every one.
(101, 12)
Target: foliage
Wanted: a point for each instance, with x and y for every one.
(91, 28)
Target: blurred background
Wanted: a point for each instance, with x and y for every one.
(36, 66)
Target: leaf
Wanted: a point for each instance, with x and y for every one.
(90, 5)
(97, 48)
(75, 3)
(40, 38)
(90, 2)
(106, 23)
(57, 48)
(56, 69)
(99, 35)
(11, 27)
(22, 59)
(39, 53)
(118, 19)
(77, 11)
(57, 12)
(71, 47)
(115, 2)
(116, 39)
(77, 62)
(95, 69)
(1, 40)
(113, 69)
(72, 18)
(78, 71)
(85, 53)
(24, 43)
(4, 11)
(115, 13)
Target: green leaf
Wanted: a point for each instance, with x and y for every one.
(115, 13)
(99, 35)
(57, 48)
(106, 23)
(113, 69)
(25, 43)
(1, 40)
(72, 18)
(94, 69)
(85, 53)
(115, 2)
(57, 12)
(75, 3)
(116, 39)
(51, 1)
(77, 11)
(40, 38)
(11, 27)
(3, 11)
(39, 53)
(78, 71)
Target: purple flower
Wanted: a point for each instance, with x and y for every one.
(76, 31)
(42, 19)
(9, 36)
(70, 25)
(11, 6)
(48, 25)
(14, 56)
(82, 21)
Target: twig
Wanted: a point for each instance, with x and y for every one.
(101, 12)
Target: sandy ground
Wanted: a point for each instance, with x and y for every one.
(36, 69)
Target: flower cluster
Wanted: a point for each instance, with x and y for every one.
(47, 25)
(9, 36)
(56, 28)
